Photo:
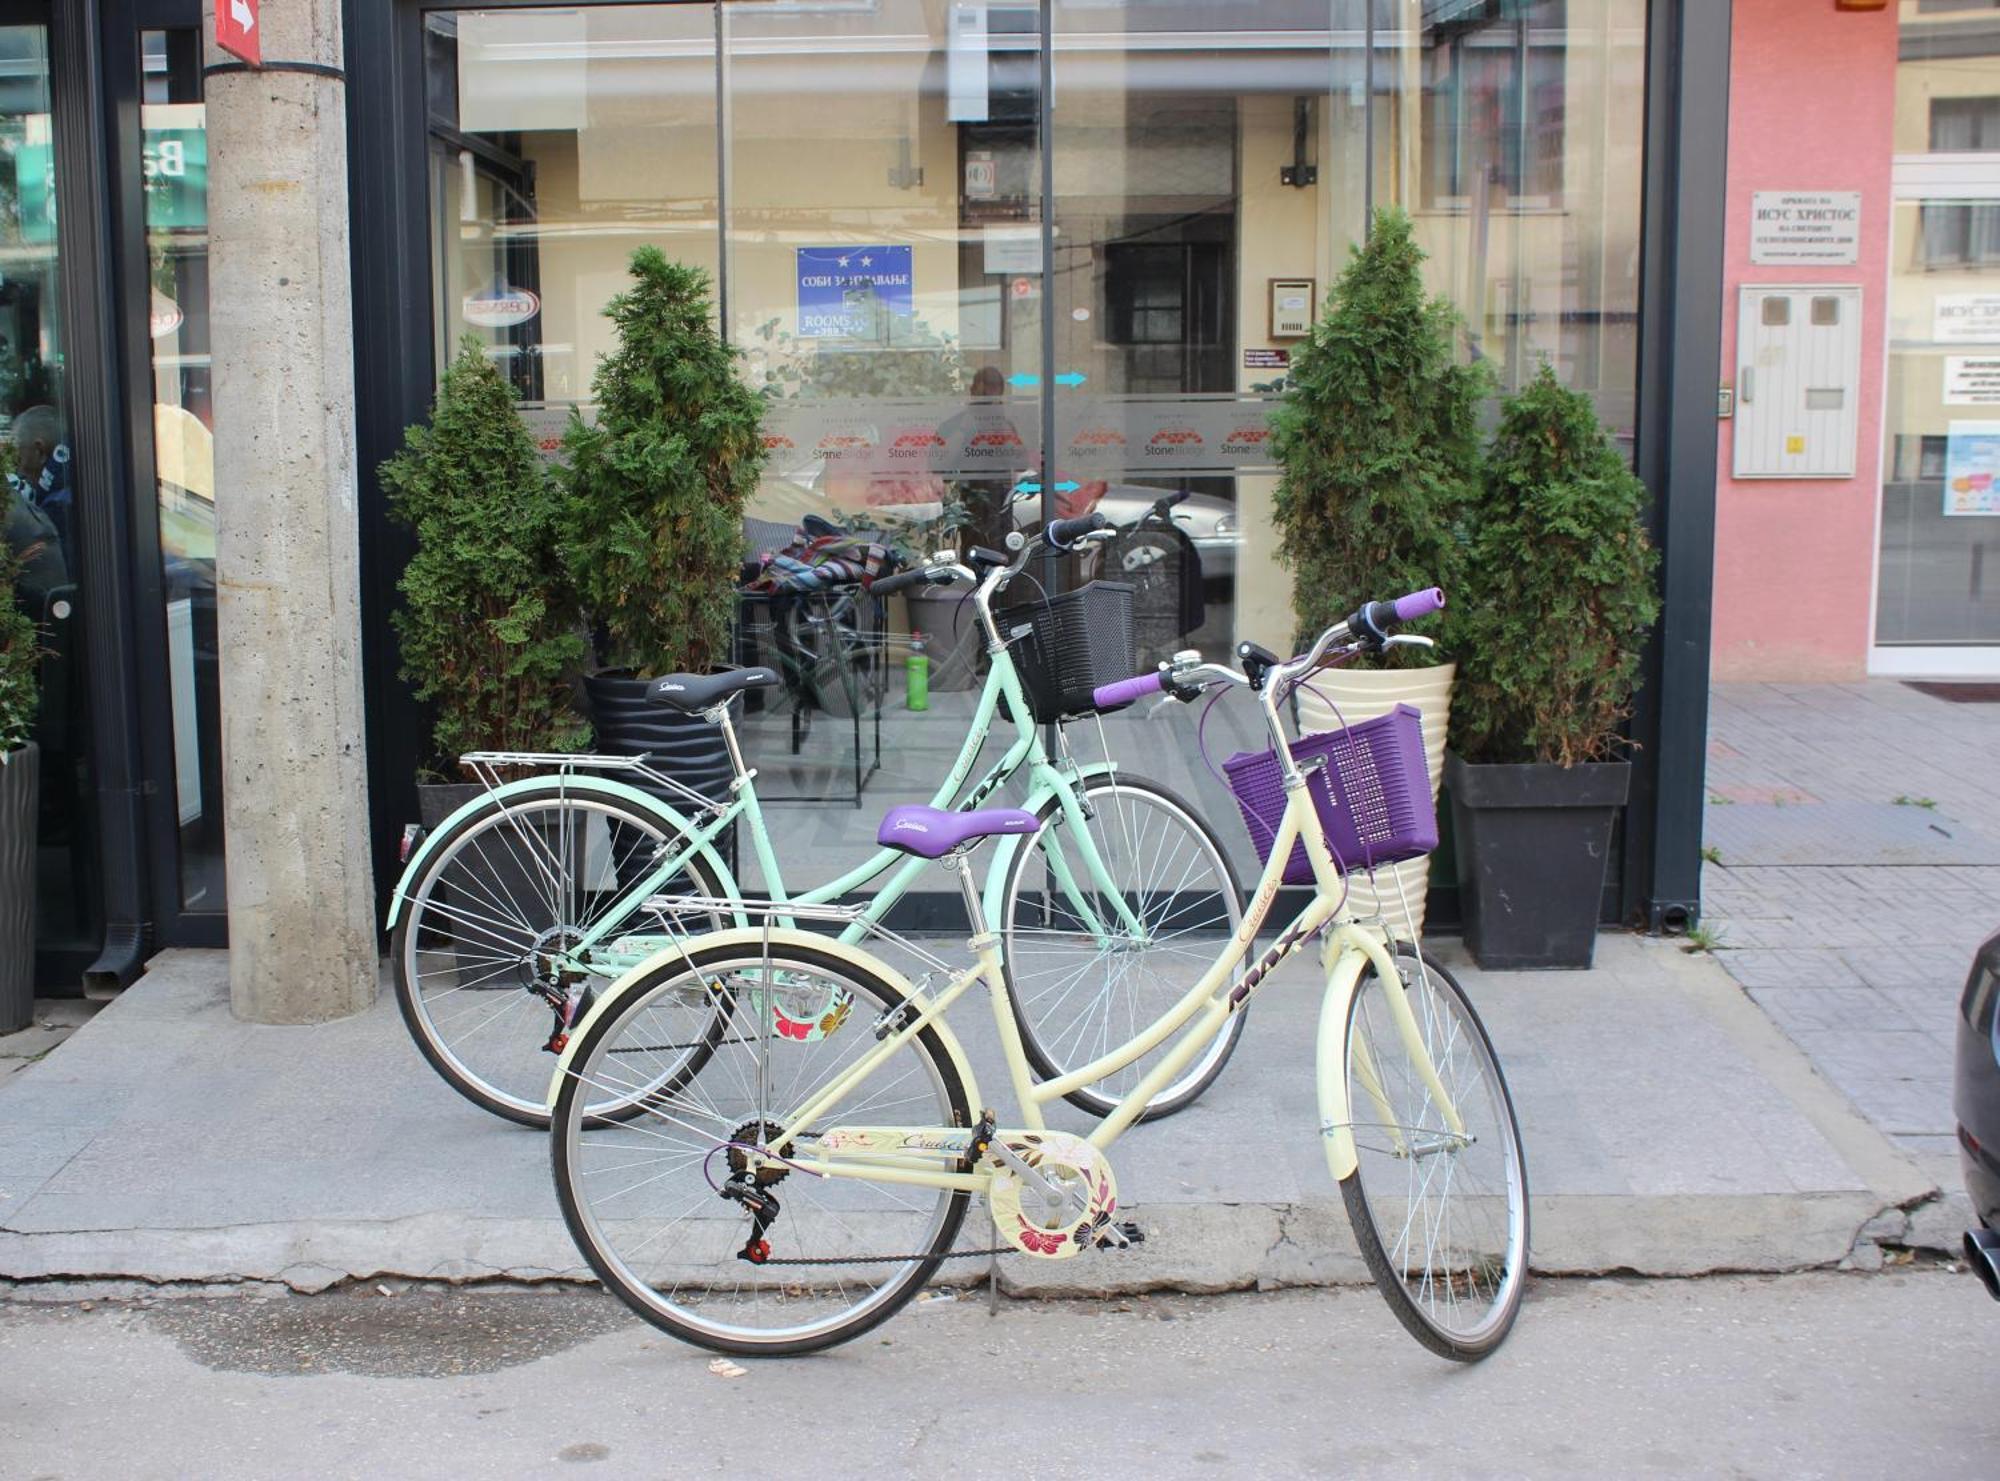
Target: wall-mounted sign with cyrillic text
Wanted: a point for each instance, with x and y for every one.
(1972, 380)
(852, 292)
(1813, 227)
(1966, 318)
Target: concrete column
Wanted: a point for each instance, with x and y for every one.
(295, 786)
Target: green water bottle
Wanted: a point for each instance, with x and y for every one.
(917, 675)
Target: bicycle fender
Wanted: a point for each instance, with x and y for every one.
(1336, 1117)
(614, 998)
(1008, 844)
(566, 786)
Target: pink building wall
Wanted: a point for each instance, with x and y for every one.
(1812, 97)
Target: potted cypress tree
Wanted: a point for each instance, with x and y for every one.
(1550, 637)
(657, 486)
(490, 627)
(1378, 449)
(20, 774)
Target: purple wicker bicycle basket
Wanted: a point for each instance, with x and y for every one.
(1373, 794)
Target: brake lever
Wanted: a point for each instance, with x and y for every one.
(1408, 640)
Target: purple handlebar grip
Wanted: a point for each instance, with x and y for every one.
(1419, 604)
(1125, 690)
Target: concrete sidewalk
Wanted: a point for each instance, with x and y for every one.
(1854, 832)
(1670, 1128)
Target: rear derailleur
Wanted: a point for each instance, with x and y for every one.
(751, 1186)
(569, 996)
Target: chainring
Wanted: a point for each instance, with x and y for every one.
(1029, 1220)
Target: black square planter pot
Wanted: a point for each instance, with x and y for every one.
(1533, 842)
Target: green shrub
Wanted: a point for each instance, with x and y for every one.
(658, 483)
(1377, 439)
(1559, 596)
(20, 651)
(490, 628)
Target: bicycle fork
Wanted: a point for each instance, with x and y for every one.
(1357, 952)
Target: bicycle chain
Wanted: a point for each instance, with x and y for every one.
(999, 1249)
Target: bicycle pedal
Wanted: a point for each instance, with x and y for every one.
(1120, 1236)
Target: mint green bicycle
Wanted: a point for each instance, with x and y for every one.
(514, 914)
(795, 1194)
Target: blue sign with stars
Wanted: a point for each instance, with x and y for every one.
(849, 292)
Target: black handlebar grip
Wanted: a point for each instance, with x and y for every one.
(1062, 533)
(884, 586)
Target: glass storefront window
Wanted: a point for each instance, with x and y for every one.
(174, 168)
(932, 268)
(38, 518)
(1524, 172)
(559, 141)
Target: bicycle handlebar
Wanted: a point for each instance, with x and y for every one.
(1419, 604)
(1374, 621)
(1370, 626)
(1062, 533)
(1124, 691)
(915, 576)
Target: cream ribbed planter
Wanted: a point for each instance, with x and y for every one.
(1397, 891)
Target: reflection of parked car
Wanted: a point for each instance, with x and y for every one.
(1976, 1099)
(1209, 523)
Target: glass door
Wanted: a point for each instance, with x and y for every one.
(158, 166)
(173, 147)
(39, 524)
(1939, 583)
(1937, 607)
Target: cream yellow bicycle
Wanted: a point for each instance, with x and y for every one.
(798, 1190)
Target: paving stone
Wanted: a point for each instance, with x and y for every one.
(1819, 1009)
(1756, 967)
(1932, 1010)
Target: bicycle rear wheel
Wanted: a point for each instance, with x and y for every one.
(512, 882)
(647, 1200)
(1080, 979)
(1441, 1218)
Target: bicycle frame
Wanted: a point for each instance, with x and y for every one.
(923, 1155)
(607, 948)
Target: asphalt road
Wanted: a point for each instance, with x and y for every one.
(1818, 1375)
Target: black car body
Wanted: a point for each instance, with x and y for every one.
(1976, 1099)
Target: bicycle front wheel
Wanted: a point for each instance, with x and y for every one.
(1091, 961)
(1440, 1214)
(650, 1202)
(510, 887)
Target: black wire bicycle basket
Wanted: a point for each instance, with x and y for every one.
(1067, 646)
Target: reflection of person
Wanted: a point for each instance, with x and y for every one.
(33, 538)
(982, 436)
(41, 463)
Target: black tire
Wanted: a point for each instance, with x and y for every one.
(1044, 1050)
(535, 1026)
(1499, 1123)
(651, 1304)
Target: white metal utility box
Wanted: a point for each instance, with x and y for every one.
(1798, 381)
